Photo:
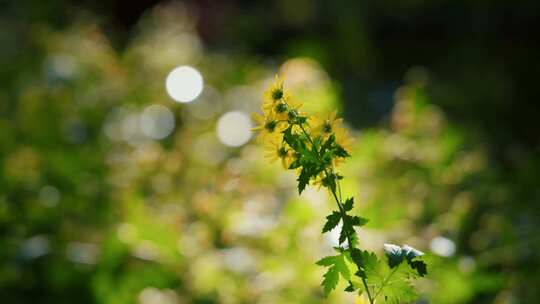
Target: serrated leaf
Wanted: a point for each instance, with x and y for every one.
(420, 267)
(327, 261)
(392, 284)
(339, 151)
(358, 221)
(344, 233)
(348, 204)
(303, 179)
(331, 221)
(330, 280)
(336, 266)
(394, 253)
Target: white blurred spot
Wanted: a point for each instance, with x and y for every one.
(35, 247)
(84, 253)
(443, 246)
(49, 196)
(466, 264)
(61, 66)
(157, 121)
(184, 84)
(146, 250)
(131, 132)
(238, 259)
(152, 295)
(234, 128)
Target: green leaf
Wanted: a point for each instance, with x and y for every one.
(340, 152)
(331, 221)
(364, 260)
(358, 221)
(345, 232)
(303, 179)
(350, 288)
(394, 254)
(420, 267)
(336, 266)
(348, 204)
(327, 261)
(330, 280)
(393, 284)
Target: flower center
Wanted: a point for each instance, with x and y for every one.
(281, 107)
(292, 114)
(327, 126)
(270, 126)
(277, 94)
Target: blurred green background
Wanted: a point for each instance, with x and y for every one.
(113, 192)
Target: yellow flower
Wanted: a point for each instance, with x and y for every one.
(276, 150)
(268, 125)
(284, 109)
(361, 299)
(325, 126)
(343, 139)
(275, 91)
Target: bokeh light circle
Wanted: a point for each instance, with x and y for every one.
(157, 121)
(184, 84)
(234, 128)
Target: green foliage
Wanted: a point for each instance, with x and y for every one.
(337, 266)
(316, 150)
(331, 221)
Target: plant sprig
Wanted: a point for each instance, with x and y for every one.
(314, 146)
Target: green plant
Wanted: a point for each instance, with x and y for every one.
(314, 147)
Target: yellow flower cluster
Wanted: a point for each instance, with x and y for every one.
(280, 111)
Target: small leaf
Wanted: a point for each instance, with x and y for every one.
(419, 266)
(331, 221)
(358, 221)
(330, 280)
(394, 253)
(350, 288)
(336, 265)
(348, 204)
(303, 180)
(356, 257)
(344, 233)
(339, 151)
(327, 261)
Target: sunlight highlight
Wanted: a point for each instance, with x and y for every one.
(184, 84)
(234, 128)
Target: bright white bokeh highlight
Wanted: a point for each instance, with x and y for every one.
(184, 84)
(443, 246)
(234, 128)
(157, 122)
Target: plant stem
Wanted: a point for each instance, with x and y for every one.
(385, 281)
(340, 206)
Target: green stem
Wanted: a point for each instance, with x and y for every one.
(340, 206)
(385, 282)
